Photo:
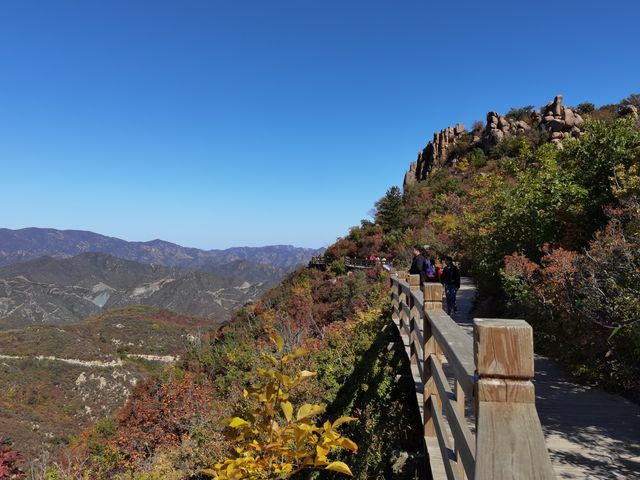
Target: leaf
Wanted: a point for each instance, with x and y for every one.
(614, 332)
(237, 422)
(209, 472)
(348, 444)
(287, 409)
(308, 410)
(299, 352)
(277, 339)
(339, 467)
(342, 420)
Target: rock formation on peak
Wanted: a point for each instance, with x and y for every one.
(435, 153)
(554, 121)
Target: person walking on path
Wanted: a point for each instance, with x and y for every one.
(418, 264)
(451, 282)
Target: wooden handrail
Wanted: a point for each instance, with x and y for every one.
(490, 374)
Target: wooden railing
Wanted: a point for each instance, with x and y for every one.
(487, 387)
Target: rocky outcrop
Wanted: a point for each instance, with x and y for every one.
(628, 110)
(498, 127)
(435, 153)
(553, 122)
(558, 121)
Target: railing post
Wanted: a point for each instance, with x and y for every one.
(430, 348)
(414, 286)
(509, 439)
(432, 296)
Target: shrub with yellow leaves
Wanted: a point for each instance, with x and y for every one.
(274, 440)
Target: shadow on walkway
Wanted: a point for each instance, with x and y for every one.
(590, 434)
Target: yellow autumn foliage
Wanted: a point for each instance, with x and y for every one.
(274, 439)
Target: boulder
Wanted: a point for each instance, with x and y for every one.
(628, 110)
(556, 105)
(556, 125)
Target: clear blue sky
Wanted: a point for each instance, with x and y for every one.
(226, 123)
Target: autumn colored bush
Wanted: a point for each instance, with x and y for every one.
(10, 461)
(273, 441)
(585, 306)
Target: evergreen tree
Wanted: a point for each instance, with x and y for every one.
(390, 212)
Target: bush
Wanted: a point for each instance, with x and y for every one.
(586, 107)
(478, 158)
(522, 113)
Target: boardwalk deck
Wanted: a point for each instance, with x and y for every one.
(590, 434)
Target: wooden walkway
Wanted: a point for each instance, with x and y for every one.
(590, 434)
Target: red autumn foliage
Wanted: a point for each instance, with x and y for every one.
(10, 461)
(158, 414)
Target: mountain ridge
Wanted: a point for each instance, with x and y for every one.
(63, 290)
(27, 243)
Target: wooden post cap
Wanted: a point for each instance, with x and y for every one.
(503, 348)
(414, 281)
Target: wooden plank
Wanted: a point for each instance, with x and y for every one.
(406, 330)
(421, 370)
(464, 441)
(419, 338)
(457, 346)
(503, 348)
(405, 312)
(510, 444)
(444, 442)
(429, 389)
(460, 445)
(435, 459)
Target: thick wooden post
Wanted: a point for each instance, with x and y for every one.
(414, 282)
(509, 439)
(432, 296)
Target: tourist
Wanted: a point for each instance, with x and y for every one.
(451, 281)
(418, 264)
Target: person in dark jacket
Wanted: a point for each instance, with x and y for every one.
(451, 281)
(418, 264)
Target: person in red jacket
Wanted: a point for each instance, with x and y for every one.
(451, 281)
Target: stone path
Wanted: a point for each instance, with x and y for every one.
(590, 434)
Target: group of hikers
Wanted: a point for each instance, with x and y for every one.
(424, 264)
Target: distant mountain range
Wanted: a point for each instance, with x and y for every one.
(62, 276)
(61, 290)
(28, 243)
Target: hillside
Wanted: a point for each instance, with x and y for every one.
(29, 243)
(59, 379)
(544, 217)
(54, 290)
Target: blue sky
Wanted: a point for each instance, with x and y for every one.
(215, 124)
